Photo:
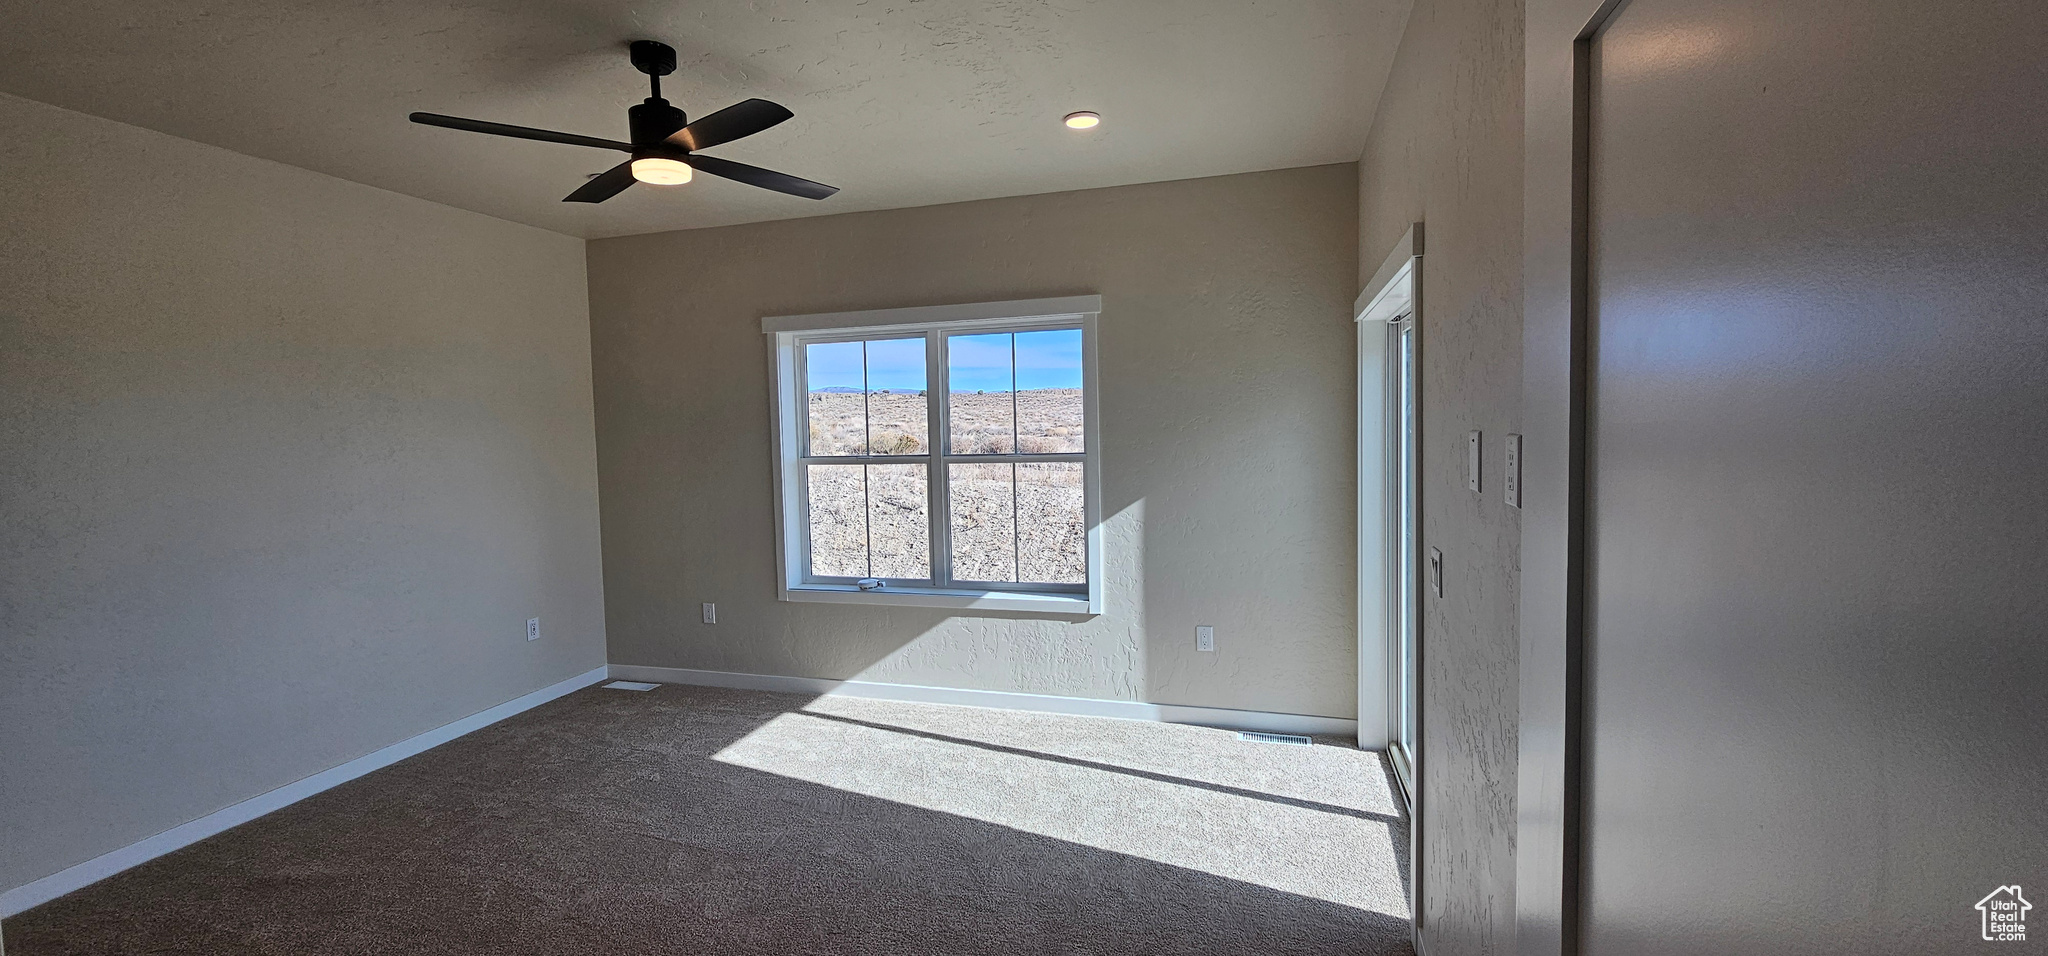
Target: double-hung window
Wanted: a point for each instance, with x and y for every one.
(941, 456)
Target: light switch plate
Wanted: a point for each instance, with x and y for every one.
(1436, 571)
(1511, 472)
(533, 629)
(1472, 460)
(710, 613)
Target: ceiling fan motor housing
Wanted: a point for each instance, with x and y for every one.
(652, 121)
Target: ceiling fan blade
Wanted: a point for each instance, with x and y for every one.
(764, 178)
(744, 118)
(605, 185)
(521, 132)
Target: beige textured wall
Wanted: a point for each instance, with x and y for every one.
(1226, 353)
(1446, 150)
(288, 462)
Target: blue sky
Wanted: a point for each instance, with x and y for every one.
(893, 364)
(1044, 360)
(1049, 359)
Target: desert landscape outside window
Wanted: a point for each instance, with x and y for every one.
(940, 457)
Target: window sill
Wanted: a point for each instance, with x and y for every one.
(1067, 604)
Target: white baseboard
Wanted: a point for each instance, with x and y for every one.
(107, 864)
(1042, 703)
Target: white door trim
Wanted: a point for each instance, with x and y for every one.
(1393, 292)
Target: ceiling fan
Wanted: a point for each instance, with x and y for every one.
(665, 142)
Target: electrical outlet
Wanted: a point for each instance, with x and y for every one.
(533, 628)
(710, 613)
(1205, 637)
(1436, 571)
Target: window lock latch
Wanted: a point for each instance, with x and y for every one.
(869, 584)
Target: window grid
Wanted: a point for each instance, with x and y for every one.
(938, 458)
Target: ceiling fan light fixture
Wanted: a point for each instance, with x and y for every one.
(663, 148)
(661, 171)
(1083, 120)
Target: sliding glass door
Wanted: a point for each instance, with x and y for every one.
(1404, 507)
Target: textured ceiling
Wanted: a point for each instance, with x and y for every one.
(898, 102)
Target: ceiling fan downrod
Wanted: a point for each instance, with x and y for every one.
(655, 119)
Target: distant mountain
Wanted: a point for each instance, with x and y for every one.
(849, 390)
(1021, 391)
(846, 390)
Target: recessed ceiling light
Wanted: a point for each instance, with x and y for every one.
(1082, 120)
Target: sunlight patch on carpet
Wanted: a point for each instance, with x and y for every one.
(1321, 851)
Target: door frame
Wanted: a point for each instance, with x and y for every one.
(1392, 297)
(1556, 177)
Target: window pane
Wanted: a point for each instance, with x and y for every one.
(896, 402)
(836, 382)
(981, 405)
(899, 522)
(984, 528)
(839, 526)
(1052, 526)
(1049, 392)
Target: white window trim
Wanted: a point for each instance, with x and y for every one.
(787, 392)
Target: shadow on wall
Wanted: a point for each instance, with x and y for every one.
(1148, 605)
(1124, 580)
(709, 821)
(1132, 576)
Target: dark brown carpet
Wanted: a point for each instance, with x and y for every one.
(703, 821)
